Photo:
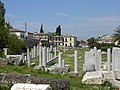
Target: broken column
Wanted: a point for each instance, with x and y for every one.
(5, 51)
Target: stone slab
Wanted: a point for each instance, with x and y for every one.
(25, 86)
(93, 78)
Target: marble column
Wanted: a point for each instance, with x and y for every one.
(63, 63)
(5, 51)
(59, 59)
(47, 54)
(75, 61)
(34, 52)
(40, 55)
(55, 51)
(108, 61)
(98, 60)
(95, 57)
(44, 56)
(37, 51)
(28, 57)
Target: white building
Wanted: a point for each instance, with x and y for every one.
(106, 39)
(21, 34)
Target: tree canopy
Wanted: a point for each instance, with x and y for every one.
(58, 30)
(116, 34)
(4, 33)
(6, 39)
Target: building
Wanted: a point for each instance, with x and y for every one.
(26, 36)
(106, 39)
(69, 41)
(21, 34)
(58, 40)
(83, 44)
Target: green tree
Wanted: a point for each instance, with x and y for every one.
(92, 42)
(116, 34)
(58, 30)
(4, 33)
(15, 44)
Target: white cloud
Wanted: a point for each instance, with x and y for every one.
(62, 14)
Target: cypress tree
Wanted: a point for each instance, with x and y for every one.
(58, 30)
(4, 33)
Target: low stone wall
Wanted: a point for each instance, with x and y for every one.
(20, 78)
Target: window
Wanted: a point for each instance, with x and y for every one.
(65, 39)
(70, 45)
(59, 39)
(66, 45)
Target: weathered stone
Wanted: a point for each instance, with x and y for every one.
(93, 78)
(25, 86)
(19, 78)
(75, 61)
(117, 75)
(88, 67)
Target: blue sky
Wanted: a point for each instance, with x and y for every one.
(82, 18)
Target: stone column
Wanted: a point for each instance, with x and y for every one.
(37, 50)
(86, 59)
(44, 57)
(34, 52)
(50, 56)
(55, 51)
(108, 61)
(28, 57)
(95, 57)
(23, 57)
(75, 62)
(40, 55)
(59, 60)
(47, 54)
(113, 60)
(5, 51)
(98, 60)
(63, 63)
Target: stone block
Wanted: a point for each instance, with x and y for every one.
(25, 86)
(117, 75)
(93, 78)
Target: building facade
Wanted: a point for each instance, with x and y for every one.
(69, 41)
(106, 39)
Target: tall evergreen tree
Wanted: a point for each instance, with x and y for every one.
(4, 33)
(58, 30)
(41, 29)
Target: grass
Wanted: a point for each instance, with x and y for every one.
(75, 82)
